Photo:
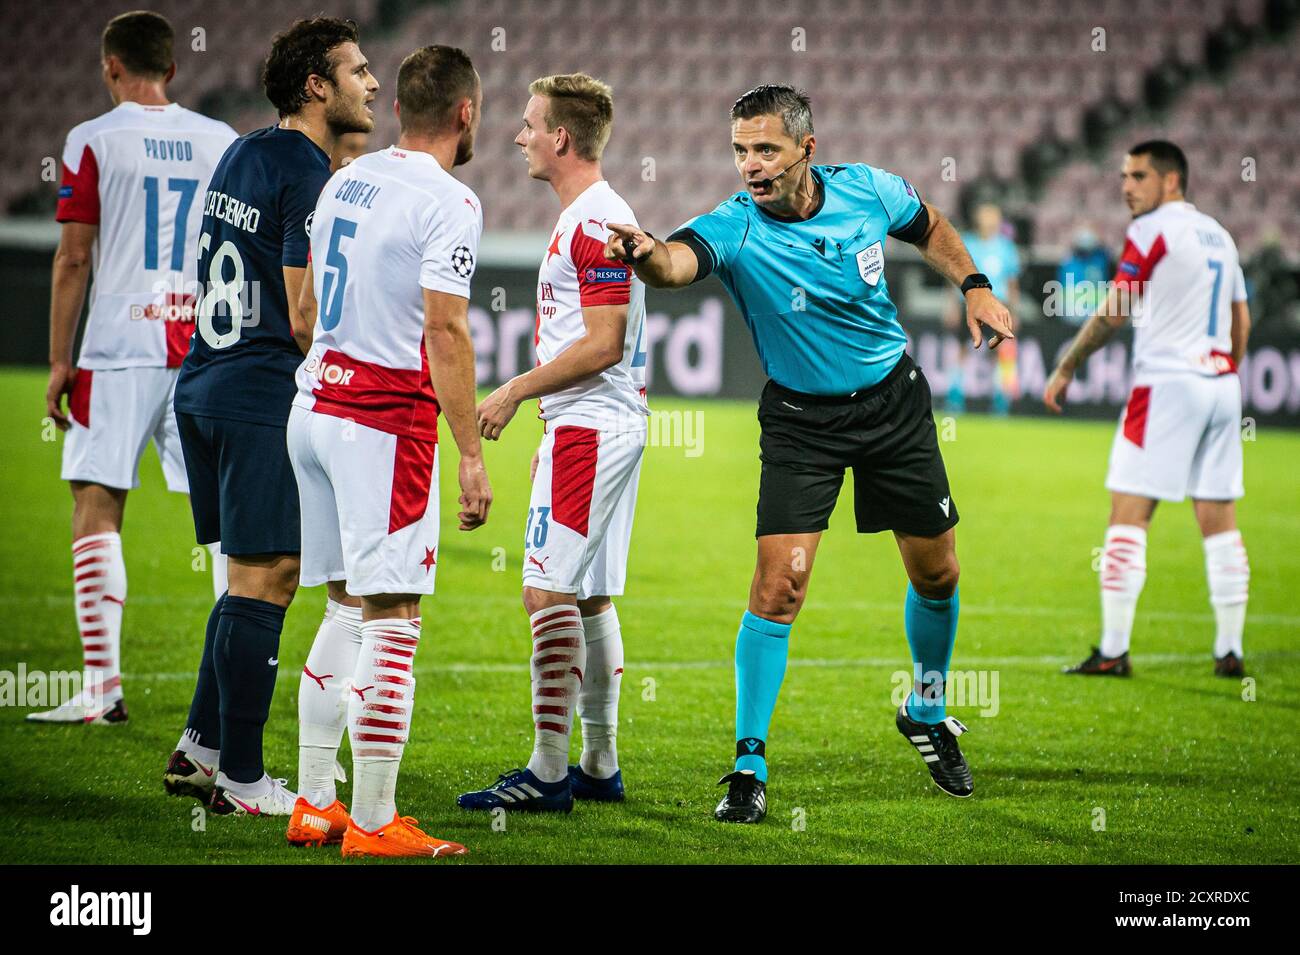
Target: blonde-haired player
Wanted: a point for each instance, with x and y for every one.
(1180, 434)
(590, 379)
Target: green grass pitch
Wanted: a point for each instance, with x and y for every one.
(1183, 768)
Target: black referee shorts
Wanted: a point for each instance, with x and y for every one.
(885, 433)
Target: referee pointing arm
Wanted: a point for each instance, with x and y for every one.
(801, 251)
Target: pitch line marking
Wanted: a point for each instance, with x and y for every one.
(899, 662)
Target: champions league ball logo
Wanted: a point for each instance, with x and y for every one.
(462, 260)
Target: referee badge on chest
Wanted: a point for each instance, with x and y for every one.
(871, 263)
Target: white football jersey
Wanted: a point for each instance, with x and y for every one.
(387, 226)
(1185, 268)
(575, 273)
(139, 173)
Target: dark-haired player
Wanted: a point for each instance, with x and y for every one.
(801, 250)
(133, 182)
(233, 399)
(1180, 434)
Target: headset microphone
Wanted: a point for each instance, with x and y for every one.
(767, 183)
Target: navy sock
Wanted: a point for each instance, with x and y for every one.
(246, 654)
(931, 632)
(204, 723)
(762, 647)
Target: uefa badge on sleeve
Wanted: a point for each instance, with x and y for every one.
(462, 260)
(871, 263)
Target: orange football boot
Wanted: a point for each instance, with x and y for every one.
(309, 826)
(401, 837)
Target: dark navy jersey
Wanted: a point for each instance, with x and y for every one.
(256, 213)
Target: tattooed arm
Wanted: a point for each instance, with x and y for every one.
(1094, 334)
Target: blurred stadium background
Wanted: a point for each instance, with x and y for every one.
(1022, 104)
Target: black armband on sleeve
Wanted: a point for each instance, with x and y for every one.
(705, 263)
(915, 230)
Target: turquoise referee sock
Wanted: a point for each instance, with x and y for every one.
(762, 647)
(931, 632)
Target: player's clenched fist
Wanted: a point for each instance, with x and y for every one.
(627, 243)
(62, 377)
(475, 493)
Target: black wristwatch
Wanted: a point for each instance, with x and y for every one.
(975, 280)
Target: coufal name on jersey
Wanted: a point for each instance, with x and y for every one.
(231, 210)
(177, 150)
(329, 373)
(177, 308)
(357, 192)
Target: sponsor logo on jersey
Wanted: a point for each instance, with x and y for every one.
(545, 292)
(177, 308)
(65, 192)
(1129, 268)
(329, 373)
(606, 274)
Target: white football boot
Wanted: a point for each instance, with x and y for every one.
(275, 800)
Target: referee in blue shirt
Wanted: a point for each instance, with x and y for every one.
(801, 251)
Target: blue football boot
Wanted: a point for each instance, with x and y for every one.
(595, 789)
(519, 789)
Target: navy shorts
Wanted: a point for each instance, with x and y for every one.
(242, 488)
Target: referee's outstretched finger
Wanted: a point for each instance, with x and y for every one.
(1001, 323)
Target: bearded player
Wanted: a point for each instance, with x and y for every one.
(1180, 434)
(590, 379)
(130, 204)
(394, 241)
(233, 398)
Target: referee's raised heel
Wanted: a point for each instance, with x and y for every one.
(937, 744)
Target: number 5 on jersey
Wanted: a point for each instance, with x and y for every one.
(335, 277)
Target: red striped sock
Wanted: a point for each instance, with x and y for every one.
(380, 704)
(99, 584)
(559, 658)
(1123, 573)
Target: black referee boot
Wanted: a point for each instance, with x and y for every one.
(937, 744)
(746, 798)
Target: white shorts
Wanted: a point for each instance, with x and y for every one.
(580, 515)
(369, 503)
(1179, 436)
(113, 413)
